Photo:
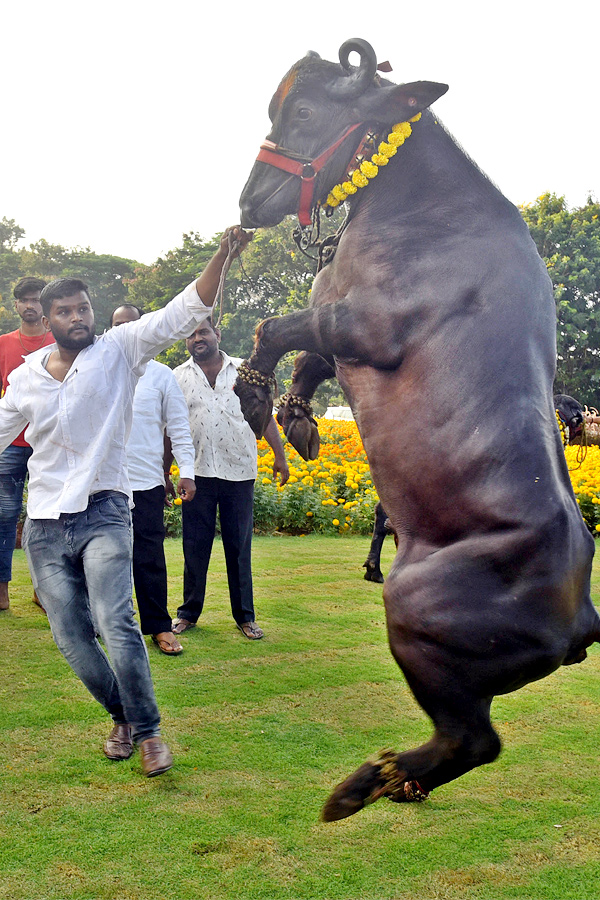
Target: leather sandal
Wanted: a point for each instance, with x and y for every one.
(251, 630)
(180, 625)
(167, 643)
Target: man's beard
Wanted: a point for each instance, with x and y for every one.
(76, 343)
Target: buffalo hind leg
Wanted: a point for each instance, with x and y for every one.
(460, 743)
(295, 413)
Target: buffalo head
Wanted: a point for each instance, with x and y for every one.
(316, 102)
(571, 414)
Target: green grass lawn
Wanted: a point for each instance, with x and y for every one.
(261, 732)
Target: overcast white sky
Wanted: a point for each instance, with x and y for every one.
(128, 123)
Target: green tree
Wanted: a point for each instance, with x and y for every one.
(10, 272)
(153, 286)
(569, 243)
(107, 276)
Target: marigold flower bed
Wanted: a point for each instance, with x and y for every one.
(331, 494)
(585, 478)
(335, 493)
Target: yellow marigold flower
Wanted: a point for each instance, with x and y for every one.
(379, 159)
(266, 481)
(395, 139)
(309, 513)
(359, 179)
(368, 169)
(336, 522)
(349, 187)
(597, 527)
(387, 150)
(331, 201)
(339, 193)
(415, 118)
(177, 501)
(402, 128)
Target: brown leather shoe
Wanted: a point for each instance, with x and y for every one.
(119, 743)
(156, 757)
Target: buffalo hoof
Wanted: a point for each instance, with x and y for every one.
(301, 431)
(373, 573)
(257, 405)
(356, 792)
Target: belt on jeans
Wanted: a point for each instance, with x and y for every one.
(102, 495)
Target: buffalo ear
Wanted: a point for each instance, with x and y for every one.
(400, 102)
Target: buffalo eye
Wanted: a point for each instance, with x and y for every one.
(304, 113)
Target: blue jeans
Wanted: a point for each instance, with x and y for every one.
(81, 570)
(13, 471)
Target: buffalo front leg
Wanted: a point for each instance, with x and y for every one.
(295, 412)
(342, 329)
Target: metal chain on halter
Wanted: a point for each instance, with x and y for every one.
(308, 236)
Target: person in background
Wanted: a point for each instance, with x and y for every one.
(225, 470)
(159, 411)
(78, 399)
(14, 346)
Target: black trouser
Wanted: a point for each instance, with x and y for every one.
(149, 567)
(234, 500)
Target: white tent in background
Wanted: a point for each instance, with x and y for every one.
(343, 413)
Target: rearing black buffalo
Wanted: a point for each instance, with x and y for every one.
(436, 301)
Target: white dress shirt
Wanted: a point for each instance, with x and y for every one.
(225, 443)
(78, 427)
(158, 406)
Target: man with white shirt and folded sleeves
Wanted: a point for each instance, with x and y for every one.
(77, 397)
(159, 411)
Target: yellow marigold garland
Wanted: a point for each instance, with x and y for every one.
(562, 428)
(368, 169)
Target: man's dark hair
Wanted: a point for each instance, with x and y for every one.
(62, 287)
(126, 306)
(28, 286)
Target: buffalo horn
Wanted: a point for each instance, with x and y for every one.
(357, 78)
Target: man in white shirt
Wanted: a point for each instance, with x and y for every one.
(159, 409)
(225, 470)
(77, 397)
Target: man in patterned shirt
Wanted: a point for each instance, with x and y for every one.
(225, 469)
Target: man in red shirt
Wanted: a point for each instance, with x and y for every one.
(29, 336)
